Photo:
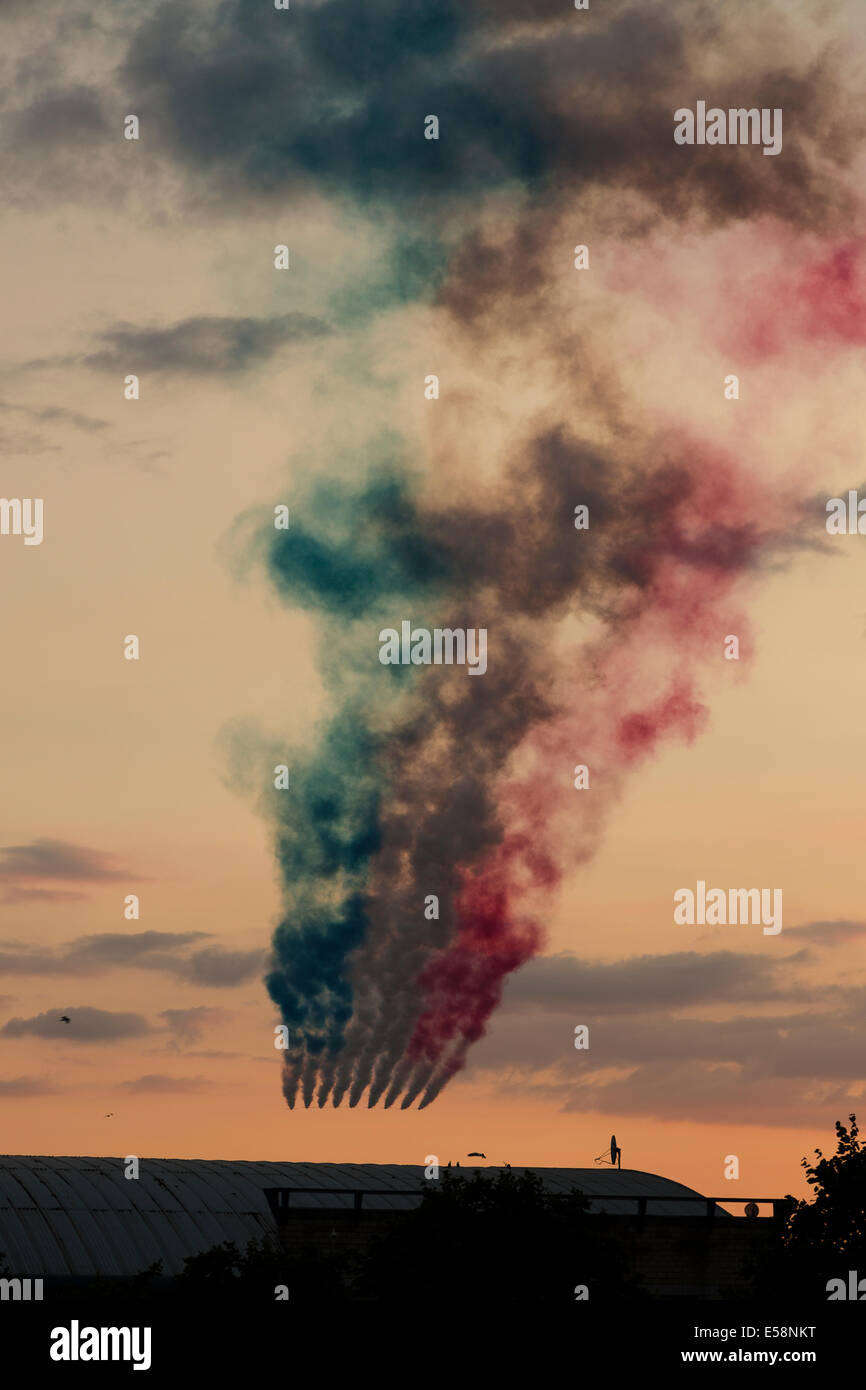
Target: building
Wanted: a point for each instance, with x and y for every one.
(74, 1218)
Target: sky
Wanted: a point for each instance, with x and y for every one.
(305, 387)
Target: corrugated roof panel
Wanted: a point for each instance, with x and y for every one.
(16, 1191)
(77, 1179)
(102, 1241)
(179, 1192)
(110, 1187)
(144, 1194)
(183, 1235)
(139, 1236)
(28, 1255)
(64, 1229)
(41, 1188)
(228, 1190)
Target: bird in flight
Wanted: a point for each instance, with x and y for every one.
(64, 1019)
(476, 1155)
(109, 1115)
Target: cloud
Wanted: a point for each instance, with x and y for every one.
(67, 116)
(90, 954)
(222, 968)
(208, 345)
(16, 894)
(841, 932)
(19, 962)
(116, 948)
(86, 1025)
(640, 983)
(188, 1025)
(214, 966)
(51, 413)
(683, 1089)
(817, 1044)
(59, 139)
(49, 859)
(25, 442)
(155, 1083)
(751, 1068)
(649, 1056)
(212, 1055)
(21, 1087)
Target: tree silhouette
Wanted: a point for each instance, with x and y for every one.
(825, 1237)
(497, 1241)
(252, 1274)
(831, 1230)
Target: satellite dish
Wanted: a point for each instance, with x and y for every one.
(613, 1155)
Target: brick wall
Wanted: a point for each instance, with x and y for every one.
(684, 1256)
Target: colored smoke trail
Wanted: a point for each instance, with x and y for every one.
(427, 782)
(430, 782)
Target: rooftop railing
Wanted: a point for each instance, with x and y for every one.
(280, 1201)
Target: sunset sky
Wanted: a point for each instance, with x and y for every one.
(260, 386)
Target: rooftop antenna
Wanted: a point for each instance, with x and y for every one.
(615, 1152)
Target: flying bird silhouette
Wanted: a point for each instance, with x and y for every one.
(109, 1115)
(476, 1155)
(64, 1019)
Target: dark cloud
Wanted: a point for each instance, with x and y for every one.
(221, 968)
(22, 962)
(156, 1084)
(646, 1059)
(150, 950)
(20, 1087)
(337, 99)
(62, 138)
(640, 983)
(68, 116)
(115, 948)
(86, 1025)
(48, 859)
(708, 1093)
(799, 1044)
(188, 1025)
(207, 345)
(754, 1069)
(841, 932)
(146, 950)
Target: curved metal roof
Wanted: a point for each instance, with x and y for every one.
(62, 1217)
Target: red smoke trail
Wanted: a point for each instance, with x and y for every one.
(463, 984)
(634, 690)
(833, 294)
(820, 301)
